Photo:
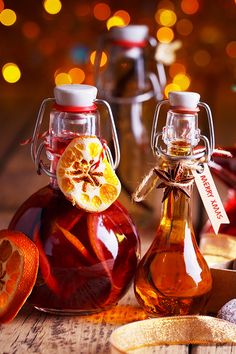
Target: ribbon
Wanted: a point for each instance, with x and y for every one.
(172, 331)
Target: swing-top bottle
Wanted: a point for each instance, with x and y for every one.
(132, 82)
(88, 245)
(173, 277)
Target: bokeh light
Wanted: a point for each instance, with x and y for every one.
(103, 58)
(171, 87)
(166, 4)
(165, 35)
(115, 21)
(124, 15)
(47, 46)
(8, 17)
(30, 29)
(11, 72)
(189, 7)
(210, 34)
(184, 27)
(182, 80)
(1, 5)
(77, 75)
(62, 79)
(202, 57)
(79, 54)
(176, 68)
(82, 10)
(165, 17)
(52, 7)
(101, 11)
(231, 49)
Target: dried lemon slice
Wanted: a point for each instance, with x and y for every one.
(85, 176)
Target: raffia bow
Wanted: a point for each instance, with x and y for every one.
(173, 180)
(170, 180)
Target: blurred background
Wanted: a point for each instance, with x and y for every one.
(44, 43)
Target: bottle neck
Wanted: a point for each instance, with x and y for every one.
(180, 135)
(63, 128)
(176, 209)
(125, 74)
(181, 128)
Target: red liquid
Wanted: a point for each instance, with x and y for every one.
(225, 170)
(87, 260)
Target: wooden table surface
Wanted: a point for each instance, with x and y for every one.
(32, 331)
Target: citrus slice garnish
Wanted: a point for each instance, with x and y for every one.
(85, 176)
(19, 262)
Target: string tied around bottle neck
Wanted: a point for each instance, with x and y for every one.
(156, 174)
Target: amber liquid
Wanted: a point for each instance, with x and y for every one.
(173, 278)
(87, 260)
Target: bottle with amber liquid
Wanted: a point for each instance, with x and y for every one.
(88, 245)
(173, 278)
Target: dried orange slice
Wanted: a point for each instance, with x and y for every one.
(19, 262)
(85, 176)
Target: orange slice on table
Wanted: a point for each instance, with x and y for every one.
(19, 262)
(85, 176)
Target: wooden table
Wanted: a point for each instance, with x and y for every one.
(36, 332)
(32, 331)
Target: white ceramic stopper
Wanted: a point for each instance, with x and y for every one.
(131, 33)
(75, 95)
(184, 99)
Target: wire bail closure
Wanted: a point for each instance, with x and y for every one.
(156, 135)
(38, 147)
(158, 81)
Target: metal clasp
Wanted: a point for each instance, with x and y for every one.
(36, 148)
(114, 136)
(209, 145)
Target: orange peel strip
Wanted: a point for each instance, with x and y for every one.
(92, 221)
(45, 267)
(76, 243)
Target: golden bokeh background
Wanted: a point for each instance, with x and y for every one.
(50, 42)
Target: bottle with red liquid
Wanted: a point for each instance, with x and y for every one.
(87, 259)
(225, 169)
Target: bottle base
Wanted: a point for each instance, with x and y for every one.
(69, 312)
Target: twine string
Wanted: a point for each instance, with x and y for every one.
(150, 180)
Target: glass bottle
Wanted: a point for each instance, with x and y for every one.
(132, 84)
(87, 260)
(225, 169)
(173, 277)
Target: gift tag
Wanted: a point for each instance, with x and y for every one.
(210, 197)
(86, 177)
